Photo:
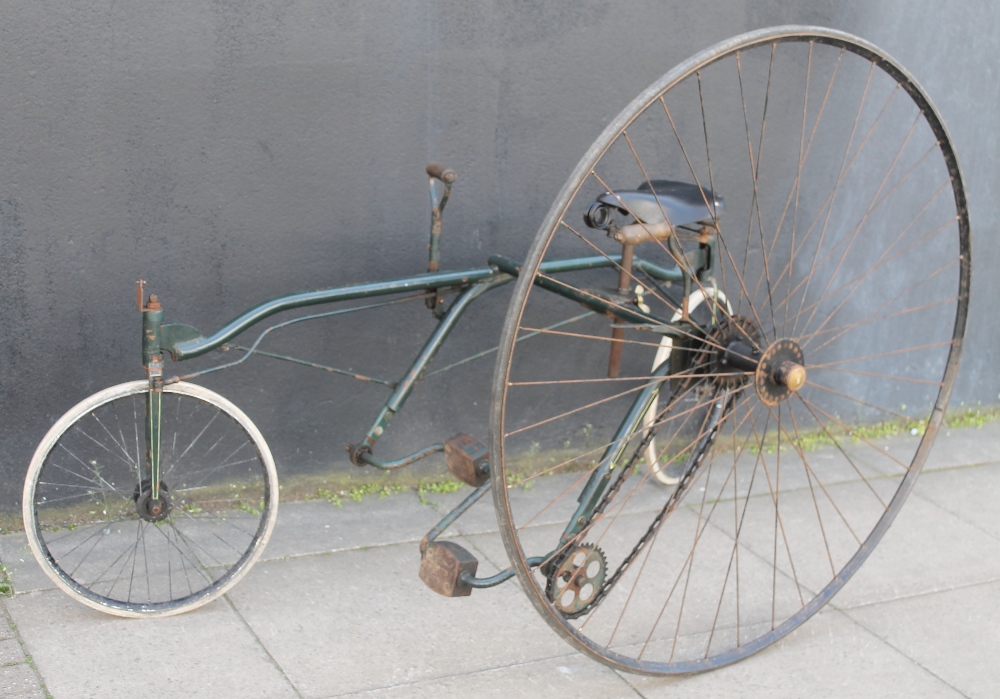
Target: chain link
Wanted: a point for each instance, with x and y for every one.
(719, 410)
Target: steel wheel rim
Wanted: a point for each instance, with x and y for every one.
(233, 572)
(568, 194)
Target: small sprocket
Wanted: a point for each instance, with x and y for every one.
(574, 583)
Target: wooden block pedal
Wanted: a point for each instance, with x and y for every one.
(468, 459)
(442, 565)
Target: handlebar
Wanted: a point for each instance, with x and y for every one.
(440, 172)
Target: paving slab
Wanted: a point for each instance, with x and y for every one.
(829, 656)
(23, 569)
(965, 446)
(953, 634)
(360, 620)
(84, 653)
(336, 608)
(19, 682)
(303, 528)
(11, 652)
(318, 526)
(969, 493)
(927, 549)
(557, 678)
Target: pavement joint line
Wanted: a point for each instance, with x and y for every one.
(915, 595)
(470, 673)
(960, 467)
(28, 660)
(957, 515)
(902, 653)
(487, 558)
(263, 648)
(352, 549)
(627, 679)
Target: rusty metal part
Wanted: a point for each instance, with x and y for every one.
(635, 233)
(440, 172)
(356, 453)
(150, 508)
(617, 332)
(468, 459)
(445, 565)
(576, 580)
(139, 295)
(437, 173)
(722, 405)
(781, 372)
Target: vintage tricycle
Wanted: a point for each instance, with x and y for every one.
(726, 356)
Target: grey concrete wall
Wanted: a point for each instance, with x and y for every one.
(232, 151)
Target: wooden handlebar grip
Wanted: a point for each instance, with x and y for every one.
(439, 171)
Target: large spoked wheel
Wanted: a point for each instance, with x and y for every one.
(87, 509)
(822, 197)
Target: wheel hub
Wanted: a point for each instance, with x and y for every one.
(780, 372)
(149, 508)
(777, 372)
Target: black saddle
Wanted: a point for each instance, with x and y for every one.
(683, 203)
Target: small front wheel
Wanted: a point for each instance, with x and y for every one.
(87, 509)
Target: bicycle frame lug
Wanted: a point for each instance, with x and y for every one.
(154, 372)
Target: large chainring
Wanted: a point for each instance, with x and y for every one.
(577, 579)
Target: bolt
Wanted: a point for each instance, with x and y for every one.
(790, 375)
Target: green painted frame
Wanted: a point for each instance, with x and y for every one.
(184, 342)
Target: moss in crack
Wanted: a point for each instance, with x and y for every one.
(6, 584)
(447, 485)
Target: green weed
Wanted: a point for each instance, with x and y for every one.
(6, 584)
(330, 496)
(972, 417)
(358, 492)
(447, 485)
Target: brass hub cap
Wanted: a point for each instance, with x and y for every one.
(781, 372)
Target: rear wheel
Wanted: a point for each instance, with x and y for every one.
(98, 535)
(797, 414)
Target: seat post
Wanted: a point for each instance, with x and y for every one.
(618, 334)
